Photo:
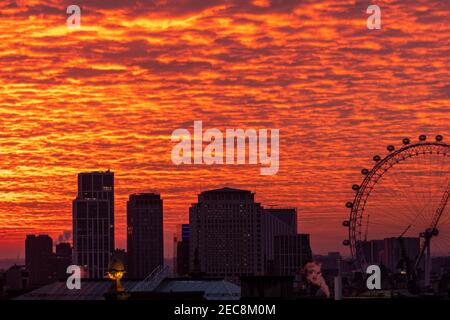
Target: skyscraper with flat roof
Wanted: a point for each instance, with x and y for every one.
(145, 243)
(93, 222)
(226, 231)
(38, 259)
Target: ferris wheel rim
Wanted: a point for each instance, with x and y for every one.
(364, 190)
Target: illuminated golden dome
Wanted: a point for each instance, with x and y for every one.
(116, 269)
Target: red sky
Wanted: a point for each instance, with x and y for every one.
(110, 94)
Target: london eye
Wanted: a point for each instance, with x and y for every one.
(400, 210)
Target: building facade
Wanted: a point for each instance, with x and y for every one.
(291, 253)
(277, 222)
(145, 243)
(93, 222)
(398, 250)
(226, 234)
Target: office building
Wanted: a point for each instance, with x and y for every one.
(226, 234)
(38, 259)
(277, 222)
(145, 244)
(93, 222)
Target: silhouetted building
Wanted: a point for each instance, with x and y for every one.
(292, 252)
(63, 249)
(226, 229)
(396, 252)
(330, 261)
(16, 278)
(145, 244)
(277, 222)
(38, 259)
(93, 222)
(62, 259)
(373, 251)
(440, 265)
(182, 252)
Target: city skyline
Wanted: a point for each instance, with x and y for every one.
(229, 236)
(110, 94)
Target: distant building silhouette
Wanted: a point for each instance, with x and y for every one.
(16, 278)
(43, 265)
(373, 251)
(276, 222)
(63, 249)
(330, 265)
(330, 261)
(93, 222)
(388, 252)
(182, 251)
(145, 244)
(38, 259)
(226, 229)
(393, 257)
(62, 259)
(292, 252)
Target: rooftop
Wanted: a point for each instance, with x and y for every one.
(226, 189)
(212, 289)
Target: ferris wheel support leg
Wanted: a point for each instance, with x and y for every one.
(428, 267)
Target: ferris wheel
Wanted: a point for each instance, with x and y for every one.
(403, 196)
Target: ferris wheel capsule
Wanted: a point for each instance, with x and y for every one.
(355, 187)
(376, 158)
(364, 171)
(390, 148)
(406, 141)
(346, 223)
(349, 204)
(346, 243)
(422, 137)
(439, 138)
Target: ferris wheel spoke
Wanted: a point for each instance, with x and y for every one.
(440, 245)
(446, 220)
(420, 205)
(387, 215)
(399, 188)
(400, 194)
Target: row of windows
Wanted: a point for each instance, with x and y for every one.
(85, 227)
(95, 182)
(92, 210)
